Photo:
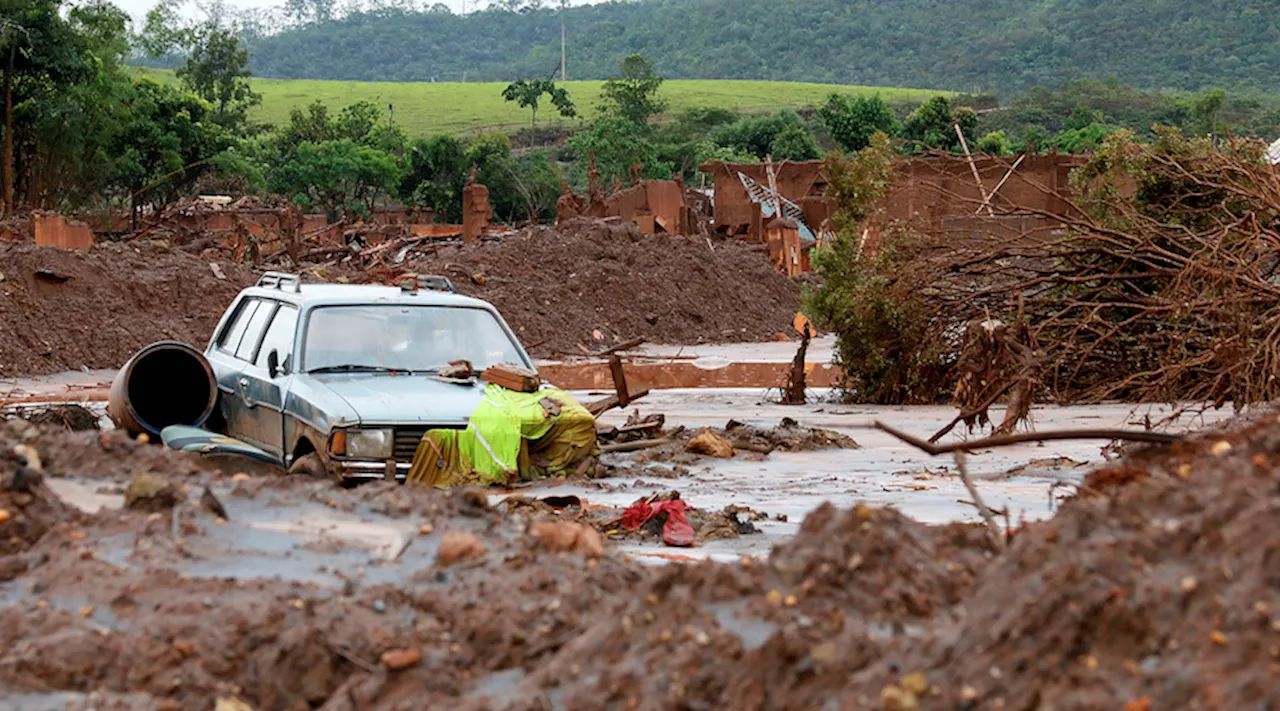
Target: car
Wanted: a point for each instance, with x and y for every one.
(343, 380)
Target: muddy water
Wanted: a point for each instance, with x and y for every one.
(885, 471)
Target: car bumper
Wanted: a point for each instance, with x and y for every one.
(365, 469)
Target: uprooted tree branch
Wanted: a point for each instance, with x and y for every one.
(1159, 282)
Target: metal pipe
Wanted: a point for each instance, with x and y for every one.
(166, 383)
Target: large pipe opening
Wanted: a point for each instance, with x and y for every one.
(164, 384)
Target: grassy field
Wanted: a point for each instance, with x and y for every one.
(429, 108)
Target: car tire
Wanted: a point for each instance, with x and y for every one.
(312, 465)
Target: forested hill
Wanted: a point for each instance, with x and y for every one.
(945, 44)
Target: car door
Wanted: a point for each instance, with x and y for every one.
(262, 393)
(226, 367)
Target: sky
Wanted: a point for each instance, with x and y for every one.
(138, 8)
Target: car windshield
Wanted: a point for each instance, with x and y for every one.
(381, 337)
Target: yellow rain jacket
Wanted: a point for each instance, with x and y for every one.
(510, 436)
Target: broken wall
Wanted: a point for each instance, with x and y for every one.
(796, 181)
(54, 230)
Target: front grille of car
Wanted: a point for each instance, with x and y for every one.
(407, 438)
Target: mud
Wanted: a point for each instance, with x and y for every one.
(589, 285)
(1159, 592)
(684, 446)
(577, 288)
(98, 306)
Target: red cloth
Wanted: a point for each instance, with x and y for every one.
(677, 531)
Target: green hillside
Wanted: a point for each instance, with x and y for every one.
(1007, 45)
(425, 108)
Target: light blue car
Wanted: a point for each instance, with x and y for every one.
(343, 380)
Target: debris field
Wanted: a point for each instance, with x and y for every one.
(588, 285)
(1156, 590)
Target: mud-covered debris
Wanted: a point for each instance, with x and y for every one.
(711, 444)
(457, 546)
(69, 417)
(787, 436)
(150, 492)
(565, 536)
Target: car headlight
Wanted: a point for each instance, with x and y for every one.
(363, 444)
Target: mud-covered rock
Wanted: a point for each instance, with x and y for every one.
(151, 492)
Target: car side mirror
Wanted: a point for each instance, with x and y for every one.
(273, 363)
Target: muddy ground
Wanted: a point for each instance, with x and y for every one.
(562, 287)
(1157, 590)
(67, 310)
(585, 286)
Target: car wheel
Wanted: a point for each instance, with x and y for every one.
(312, 465)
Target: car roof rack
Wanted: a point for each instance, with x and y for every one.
(279, 280)
(434, 282)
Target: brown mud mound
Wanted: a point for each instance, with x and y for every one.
(1161, 593)
(558, 286)
(63, 309)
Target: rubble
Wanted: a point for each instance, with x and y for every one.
(1154, 593)
(711, 444)
(577, 288)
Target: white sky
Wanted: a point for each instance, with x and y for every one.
(138, 8)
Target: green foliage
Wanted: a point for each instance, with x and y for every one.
(437, 171)
(617, 145)
(337, 177)
(883, 344)
(85, 133)
(851, 120)
(634, 95)
(216, 61)
(933, 124)
(1203, 111)
(756, 135)
(165, 131)
(528, 92)
(1081, 140)
(793, 142)
(1007, 45)
(995, 143)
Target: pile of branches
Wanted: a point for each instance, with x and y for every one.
(1161, 282)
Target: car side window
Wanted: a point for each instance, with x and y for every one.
(248, 348)
(279, 336)
(234, 332)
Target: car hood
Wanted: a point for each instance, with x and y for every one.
(386, 398)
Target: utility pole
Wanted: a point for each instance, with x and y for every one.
(564, 76)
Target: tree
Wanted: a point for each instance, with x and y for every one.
(338, 177)
(852, 119)
(757, 135)
(163, 143)
(1204, 111)
(933, 124)
(617, 145)
(528, 92)
(793, 142)
(995, 143)
(436, 173)
(216, 60)
(634, 95)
